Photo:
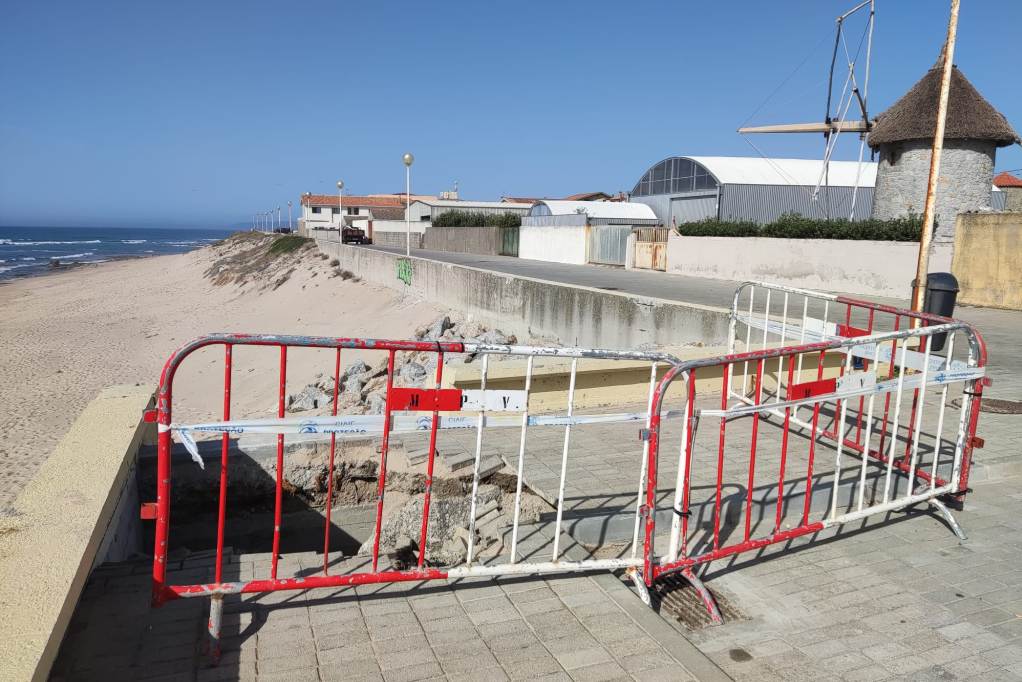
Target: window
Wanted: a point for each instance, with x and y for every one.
(352, 210)
(317, 209)
(335, 211)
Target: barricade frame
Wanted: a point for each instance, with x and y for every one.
(645, 567)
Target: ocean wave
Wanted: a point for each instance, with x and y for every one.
(11, 242)
(133, 241)
(191, 243)
(28, 258)
(73, 255)
(6, 268)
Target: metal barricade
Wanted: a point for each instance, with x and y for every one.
(861, 383)
(842, 391)
(445, 407)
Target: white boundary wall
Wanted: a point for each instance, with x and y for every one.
(562, 244)
(873, 268)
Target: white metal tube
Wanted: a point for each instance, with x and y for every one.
(564, 460)
(644, 464)
(918, 427)
(521, 461)
(802, 337)
(748, 341)
(839, 432)
(780, 359)
(869, 434)
(938, 437)
(475, 471)
(408, 210)
(894, 425)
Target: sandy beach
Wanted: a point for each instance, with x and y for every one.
(67, 335)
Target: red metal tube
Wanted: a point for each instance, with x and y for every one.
(330, 467)
(651, 478)
(720, 459)
(752, 453)
(812, 447)
(784, 449)
(429, 465)
(225, 444)
(384, 448)
(278, 502)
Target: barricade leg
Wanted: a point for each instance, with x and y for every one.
(216, 613)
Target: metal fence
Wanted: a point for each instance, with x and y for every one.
(758, 440)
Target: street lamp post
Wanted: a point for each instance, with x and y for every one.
(408, 160)
(340, 211)
(278, 217)
(289, 215)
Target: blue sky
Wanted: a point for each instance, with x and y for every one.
(201, 113)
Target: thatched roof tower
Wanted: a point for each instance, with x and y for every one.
(903, 136)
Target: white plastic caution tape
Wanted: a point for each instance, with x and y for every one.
(357, 426)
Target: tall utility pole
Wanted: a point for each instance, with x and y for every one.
(925, 237)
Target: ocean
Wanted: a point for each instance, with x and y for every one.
(28, 251)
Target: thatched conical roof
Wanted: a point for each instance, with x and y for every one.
(969, 116)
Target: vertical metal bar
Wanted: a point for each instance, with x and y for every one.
(679, 522)
(862, 399)
(918, 424)
(748, 342)
(752, 451)
(802, 334)
(887, 397)
(766, 321)
(213, 625)
(869, 434)
(384, 449)
(938, 439)
(434, 423)
(278, 501)
(564, 460)
(330, 467)
(163, 445)
(720, 464)
(784, 342)
(225, 444)
(521, 461)
(475, 471)
(642, 466)
(812, 446)
(784, 451)
(923, 341)
(894, 424)
(839, 433)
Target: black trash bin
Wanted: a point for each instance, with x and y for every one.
(941, 293)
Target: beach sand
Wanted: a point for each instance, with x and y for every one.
(67, 335)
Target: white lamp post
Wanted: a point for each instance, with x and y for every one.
(408, 161)
(340, 211)
(289, 215)
(278, 217)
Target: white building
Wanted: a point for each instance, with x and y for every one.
(322, 212)
(580, 232)
(422, 212)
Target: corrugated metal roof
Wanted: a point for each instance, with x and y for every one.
(599, 209)
(752, 170)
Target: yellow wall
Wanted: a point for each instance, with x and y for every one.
(988, 259)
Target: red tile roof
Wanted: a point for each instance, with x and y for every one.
(369, 202)
(587, 196)
(1006, 179)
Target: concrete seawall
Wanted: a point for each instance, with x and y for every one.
(575, 315)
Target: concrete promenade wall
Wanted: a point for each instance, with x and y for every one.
(575, 315)
(871, 268)
(480, 240)
(988, 259)
(555, 244)
(79, 510)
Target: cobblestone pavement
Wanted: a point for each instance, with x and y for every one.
(566, 628)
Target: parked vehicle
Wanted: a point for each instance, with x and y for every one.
(354, 235)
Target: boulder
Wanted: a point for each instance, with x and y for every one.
(311, 397)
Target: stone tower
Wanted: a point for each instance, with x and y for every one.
(903, 137)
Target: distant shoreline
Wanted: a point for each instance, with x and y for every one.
(74, 266)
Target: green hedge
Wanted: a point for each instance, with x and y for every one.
(477, 219)
(795, 226)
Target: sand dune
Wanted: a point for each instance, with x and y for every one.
(67, 335)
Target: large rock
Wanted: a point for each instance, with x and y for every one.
(437, 329)
(413, 373)
(311, 397)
